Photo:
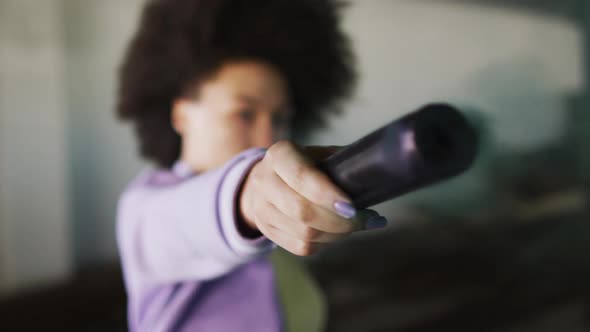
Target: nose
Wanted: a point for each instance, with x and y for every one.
(265, 132)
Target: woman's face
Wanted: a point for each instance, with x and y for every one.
(244, 105)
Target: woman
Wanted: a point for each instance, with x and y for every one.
(215, 89)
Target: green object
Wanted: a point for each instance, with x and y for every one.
(303, 304)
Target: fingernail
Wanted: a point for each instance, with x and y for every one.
(345, 210)
(376, 222)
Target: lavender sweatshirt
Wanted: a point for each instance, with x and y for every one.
(186, 266)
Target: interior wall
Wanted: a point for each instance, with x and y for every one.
(102, 150)
(35, 239)
(516, 67)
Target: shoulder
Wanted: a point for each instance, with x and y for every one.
(149, 180)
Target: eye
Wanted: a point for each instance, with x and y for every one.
(246, 115)
(280, 120)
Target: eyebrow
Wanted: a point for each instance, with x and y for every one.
(248, 99)
(254, 102)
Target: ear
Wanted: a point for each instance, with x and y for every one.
(178, 118)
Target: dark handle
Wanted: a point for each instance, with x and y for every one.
(417, 150)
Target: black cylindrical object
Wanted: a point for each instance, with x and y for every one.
(417, 150)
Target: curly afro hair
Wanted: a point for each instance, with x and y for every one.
(180, 43)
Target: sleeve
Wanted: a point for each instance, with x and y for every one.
(186, 231)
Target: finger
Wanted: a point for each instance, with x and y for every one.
(300, 174)
(289, 243)
(269, 214)
(368, 219)
(301, 210)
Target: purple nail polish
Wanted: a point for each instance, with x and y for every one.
(345, 210)
(376, 222)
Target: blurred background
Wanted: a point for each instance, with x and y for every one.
(504, 247)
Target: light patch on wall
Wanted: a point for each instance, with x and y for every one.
(514, 66)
